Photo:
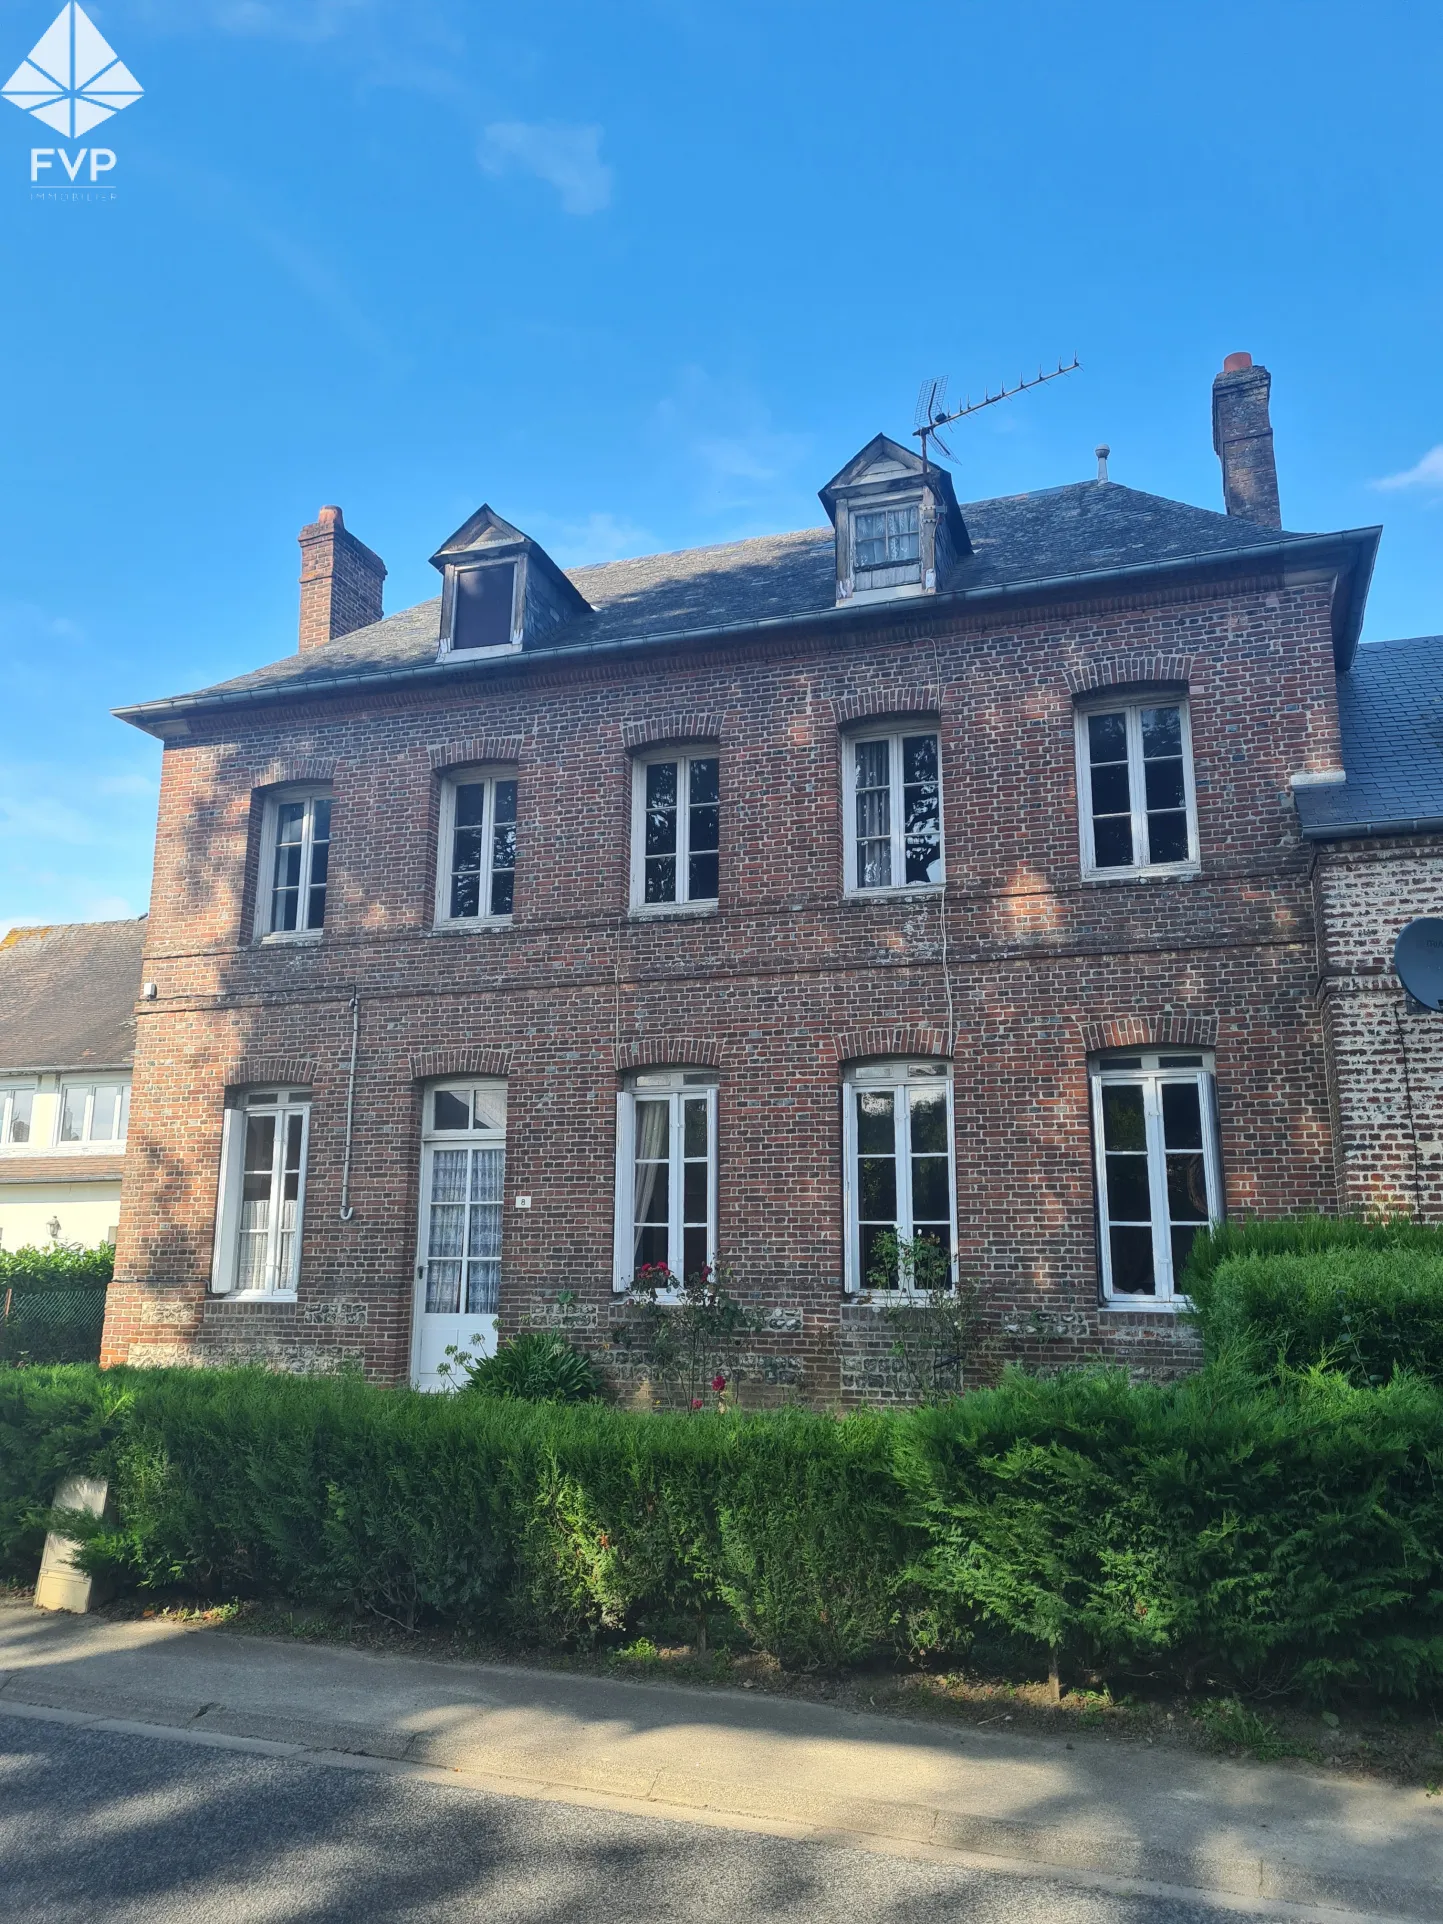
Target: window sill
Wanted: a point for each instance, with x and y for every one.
(254, 1296)
(471, 925)
(660, 911)
(447, 653)
(81, 1150)
(1144, 1305)
(879, 1299)
(291, 938)
(901, 891)
(1170, 872)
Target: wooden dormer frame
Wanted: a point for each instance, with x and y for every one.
(542, 596)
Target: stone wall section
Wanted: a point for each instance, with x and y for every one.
(1385, 1052)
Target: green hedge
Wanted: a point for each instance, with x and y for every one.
(52, 1303)
(541, 1522)
(1286, 1533)
(1361, 1296)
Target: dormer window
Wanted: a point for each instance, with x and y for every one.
(500, 591)
(483, 615)
(899, 529)
(887, 538)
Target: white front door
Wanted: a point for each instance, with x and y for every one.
(458, 1258)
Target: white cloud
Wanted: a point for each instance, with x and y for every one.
(566, 158)
(1426, 474)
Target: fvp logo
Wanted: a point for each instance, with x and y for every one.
(73, 78)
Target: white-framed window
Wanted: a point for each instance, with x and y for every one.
(1135, 787)
(476, 872)
(262, 1193)
(666, 1173)
(1154, 1124)
(889, 539)
(899, 1167)
(295, 863)
(92, 1112)
(17, 1114)
(892, 796)
(675, 828)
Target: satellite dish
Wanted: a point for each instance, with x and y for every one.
(1418, 958)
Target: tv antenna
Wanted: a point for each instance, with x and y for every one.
(933, 415)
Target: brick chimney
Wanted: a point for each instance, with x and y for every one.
(340, 581)
(1243, 437)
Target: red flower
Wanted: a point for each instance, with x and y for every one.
(696, 1402)
(718, 1383)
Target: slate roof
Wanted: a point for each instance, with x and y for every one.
(67, 995)
(1020, 542)
(1390, 711)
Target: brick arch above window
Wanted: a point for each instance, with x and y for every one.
(474, 749)
(1122, 671)
(297, 768)
(903, 1039)
(428, 1065)
(923, 698)
(668, 1052)
(652, 730)
(264, 1072)
(1176, 1030)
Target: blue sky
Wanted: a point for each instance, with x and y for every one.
(643, 276)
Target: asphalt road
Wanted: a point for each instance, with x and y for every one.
(113, 1828)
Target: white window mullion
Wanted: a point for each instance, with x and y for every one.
(902, 1151)
(625, 1237)
(488, 852)
(1137, 789)
(1157, 1190)
(676, 1184)
(894, 807)
(713, 1169)
(683, 829)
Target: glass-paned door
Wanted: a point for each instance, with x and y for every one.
(1158, 1177)
(458, 1264)
(897, 1133)
(272, 1192)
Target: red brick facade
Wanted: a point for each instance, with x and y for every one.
(1017, 973)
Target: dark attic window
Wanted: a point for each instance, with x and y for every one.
(481, 612)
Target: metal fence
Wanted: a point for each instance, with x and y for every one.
(43, 1325)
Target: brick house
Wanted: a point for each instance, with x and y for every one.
(67, 1036)
(1378, 842)
(938, 872)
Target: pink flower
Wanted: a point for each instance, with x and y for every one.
(696, 1402)
(718, 1383)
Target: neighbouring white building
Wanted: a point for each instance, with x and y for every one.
(67, 1041)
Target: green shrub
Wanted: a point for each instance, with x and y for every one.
(539, 1521)
(1288, 1535)
(1228, 1531)
(538, 1366)
(1363, 1311)
(52, 1303)
(1297, 1236)
(58, 1266)
(54, 1423)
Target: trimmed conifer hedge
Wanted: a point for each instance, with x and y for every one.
(1229, 1529)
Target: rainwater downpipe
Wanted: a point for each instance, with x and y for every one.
(346, 1210)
